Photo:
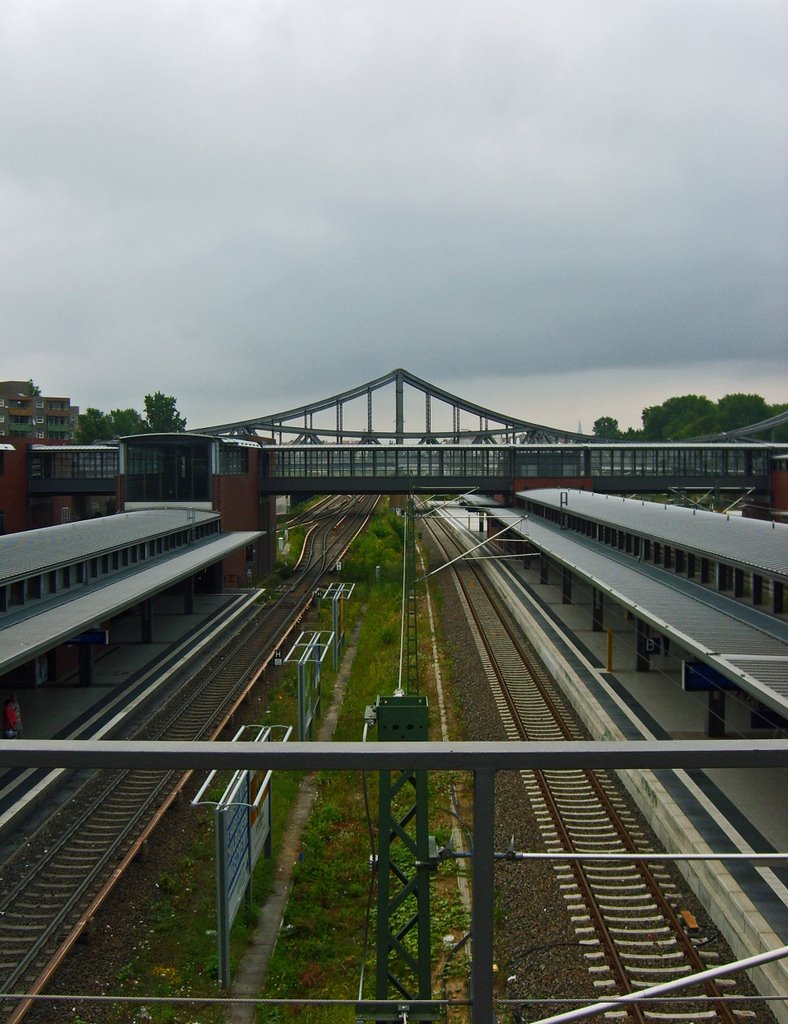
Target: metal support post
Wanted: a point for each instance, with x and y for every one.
(222, 909)
(411, 681)
(566, 586)
(400, 410)
(597, 610)
(146, 623)
(188, 596)
(403, 875)
(642, 659)
(715, 714)
(482, 905)
(86, 668)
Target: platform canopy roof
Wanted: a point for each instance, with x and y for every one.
(751, 543)
(35, 551)
(747, 646)
(40, 627)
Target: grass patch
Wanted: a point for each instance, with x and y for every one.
(320, 949)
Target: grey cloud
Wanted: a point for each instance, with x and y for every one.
(255, 192)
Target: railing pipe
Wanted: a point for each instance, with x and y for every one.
(483, 760)
(482, 1007)
(432, 756)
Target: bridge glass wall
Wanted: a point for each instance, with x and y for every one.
(74, 464)
(677, 461)
(668, 461)
(549, 461)
(168, 469)
(390, 461)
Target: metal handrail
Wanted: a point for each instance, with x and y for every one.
(482, 759)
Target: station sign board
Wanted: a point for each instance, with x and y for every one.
(697, 677)
(99, 637)
(242, 835)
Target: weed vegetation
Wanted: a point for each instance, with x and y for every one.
(327, 940)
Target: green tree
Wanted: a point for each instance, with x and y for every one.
(740, 410)
(607, 427)
(125, 422)
(779, 433)
(93, 425)
(161, 415)
(681, 417)
(33, 390)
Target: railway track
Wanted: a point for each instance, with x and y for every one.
(54, 882)
(626, 914)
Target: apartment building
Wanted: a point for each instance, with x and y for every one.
(35, 417)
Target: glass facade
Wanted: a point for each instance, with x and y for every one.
(233, 461)
(536, 462)
(674, 461)
(669, 461)
(390, 461)
(62, 464)
(176, 470)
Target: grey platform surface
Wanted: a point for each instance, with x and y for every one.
(745, 645)
(55, 709)
(656, 698)
(40, 628)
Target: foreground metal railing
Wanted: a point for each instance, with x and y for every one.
(482, 760)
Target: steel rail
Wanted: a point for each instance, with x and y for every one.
(223, 667)
(619, 833)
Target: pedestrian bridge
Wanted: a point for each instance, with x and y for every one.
(440, 443)
(503, 469)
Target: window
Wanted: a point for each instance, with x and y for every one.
(233, 461)
(168, 471)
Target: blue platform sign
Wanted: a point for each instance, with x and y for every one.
(699, 677)
(100, 637)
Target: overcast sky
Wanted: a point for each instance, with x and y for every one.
(560, 209)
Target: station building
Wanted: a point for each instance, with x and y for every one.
(115, 529)
(203, 473)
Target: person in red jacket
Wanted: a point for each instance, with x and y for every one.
(10, 719)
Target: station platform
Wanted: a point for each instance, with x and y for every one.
(666, 711)
(726, 811)
(127, 675)
(63, 709)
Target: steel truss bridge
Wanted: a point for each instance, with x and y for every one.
(498, 455)
(299, 425)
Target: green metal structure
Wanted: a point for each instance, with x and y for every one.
(407, 854)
